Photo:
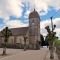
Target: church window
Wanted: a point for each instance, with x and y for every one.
(32, 22)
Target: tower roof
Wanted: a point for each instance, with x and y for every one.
(34, 14)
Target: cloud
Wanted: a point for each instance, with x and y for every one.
(55, 4)
(14, 7)
(27, 14)
(10, 8)
(2, 26)
(15, 24)
(42, 6)
(45, 23)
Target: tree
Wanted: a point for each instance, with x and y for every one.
(25, 40)
(57, 42)
(46, 42)
(5, 34)
(51, 37)
(42, 40)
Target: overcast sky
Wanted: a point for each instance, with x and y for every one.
(15, 13)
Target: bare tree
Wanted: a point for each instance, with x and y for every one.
(50, 37)
(5, 34)
(25, 40)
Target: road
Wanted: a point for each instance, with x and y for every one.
(26, 55)
(18, 54)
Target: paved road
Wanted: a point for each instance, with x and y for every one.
(17, 54)
(10, 52)
(27, 55)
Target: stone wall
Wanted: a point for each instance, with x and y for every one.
(58, 50)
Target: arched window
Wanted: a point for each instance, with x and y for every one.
(32, 22)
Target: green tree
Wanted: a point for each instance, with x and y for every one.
(57, 42)
(42, 40)
(46, 42)
(5, 34)
(25, 40)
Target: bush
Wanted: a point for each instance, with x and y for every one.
(57, 42)
(13, 46)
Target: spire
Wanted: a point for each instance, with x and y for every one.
(34, 9)
(34, 6)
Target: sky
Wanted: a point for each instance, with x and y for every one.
(15, 13)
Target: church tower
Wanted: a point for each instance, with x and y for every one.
(34, 29)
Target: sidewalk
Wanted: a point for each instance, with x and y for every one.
(48, 56)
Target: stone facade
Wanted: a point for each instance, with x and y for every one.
(34, 29)
(32, 32)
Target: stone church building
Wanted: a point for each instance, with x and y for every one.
(32, 32)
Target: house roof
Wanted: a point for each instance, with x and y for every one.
(19, 31)
(34, 14)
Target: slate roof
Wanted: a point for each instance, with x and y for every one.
(19, 31)
(34, 14)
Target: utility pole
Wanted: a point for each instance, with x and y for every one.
(51, 24)
(52, 21)
(52, 46)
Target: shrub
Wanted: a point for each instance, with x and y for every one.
(57, 42)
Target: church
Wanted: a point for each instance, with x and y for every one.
(32, 32)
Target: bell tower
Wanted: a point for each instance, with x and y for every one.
(34, 29)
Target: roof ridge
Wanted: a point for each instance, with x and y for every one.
(18, 27)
